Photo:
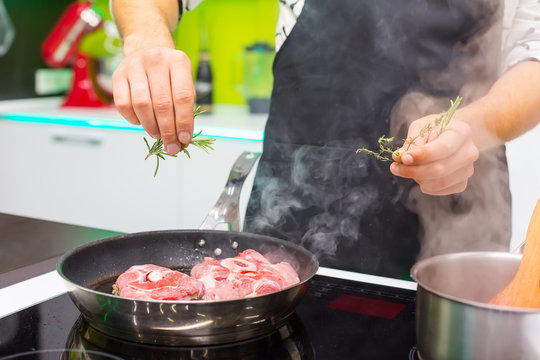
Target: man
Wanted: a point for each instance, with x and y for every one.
(348, 72)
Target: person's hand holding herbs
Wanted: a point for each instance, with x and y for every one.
(440, 158)
(438, 154)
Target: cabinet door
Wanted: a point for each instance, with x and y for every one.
(84, 176)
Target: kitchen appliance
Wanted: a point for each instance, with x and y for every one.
(454, 319)
(337, 319)
(256, 86)
(61, 48)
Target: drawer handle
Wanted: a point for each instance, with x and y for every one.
(78, 140)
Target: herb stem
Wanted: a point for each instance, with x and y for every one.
(158, 151)
(385, 143)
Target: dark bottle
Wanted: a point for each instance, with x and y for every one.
(203, 83)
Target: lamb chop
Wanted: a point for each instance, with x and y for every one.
(152, 282)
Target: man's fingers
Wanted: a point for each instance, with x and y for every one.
(440, 147)
(454, 189)
(122, 99)
(183, 97)
(437, 186)
(142, 101)
(162, 103)
(437, 169)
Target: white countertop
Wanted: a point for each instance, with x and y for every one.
(226, 121)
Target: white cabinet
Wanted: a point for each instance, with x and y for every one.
(98, 178)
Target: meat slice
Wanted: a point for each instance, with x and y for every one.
(152, 282)
(214, 277)
(248, 274)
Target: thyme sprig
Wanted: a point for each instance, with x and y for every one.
(159, 152)
(387, 148)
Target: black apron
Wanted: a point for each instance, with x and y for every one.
(337, 78)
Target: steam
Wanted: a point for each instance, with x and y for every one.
(335, 216)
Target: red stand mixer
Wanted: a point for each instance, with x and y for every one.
(61, 48)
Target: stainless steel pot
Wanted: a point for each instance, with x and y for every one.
(454, 319)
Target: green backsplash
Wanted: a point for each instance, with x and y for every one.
(227, 26)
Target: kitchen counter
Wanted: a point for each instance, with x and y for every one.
(225, 122)
(35, 245)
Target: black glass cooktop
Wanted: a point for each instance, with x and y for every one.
(337, 319)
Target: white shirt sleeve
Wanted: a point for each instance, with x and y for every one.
(522, 32)
(188, 5)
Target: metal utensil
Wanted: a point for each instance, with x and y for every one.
(225, 211)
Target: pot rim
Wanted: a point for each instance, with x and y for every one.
(415, 270)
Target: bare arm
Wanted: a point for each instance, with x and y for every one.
(145, 24)
(153, 85)
(509, 109)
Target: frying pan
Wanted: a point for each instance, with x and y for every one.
(90, 270)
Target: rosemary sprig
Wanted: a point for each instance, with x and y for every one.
(385, 143)
(160, 153)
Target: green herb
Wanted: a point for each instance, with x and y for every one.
(160, 153)
(386, 148)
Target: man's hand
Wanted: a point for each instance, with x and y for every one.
(441, 165)
(154, 88)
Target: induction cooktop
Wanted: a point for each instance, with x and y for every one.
(337, 319)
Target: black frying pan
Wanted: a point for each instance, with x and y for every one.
(90, 270)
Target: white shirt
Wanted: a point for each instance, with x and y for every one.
(521, 27)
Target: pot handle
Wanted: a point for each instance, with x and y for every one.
(226, 210)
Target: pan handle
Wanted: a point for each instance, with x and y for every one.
(226, 210)
(519, 248)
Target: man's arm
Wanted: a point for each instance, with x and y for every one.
(510, 109)
(153, 85)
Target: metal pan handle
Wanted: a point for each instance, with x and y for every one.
(227, 208)
(519, 249)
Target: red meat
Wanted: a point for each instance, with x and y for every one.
(153, 282)
(248, 274)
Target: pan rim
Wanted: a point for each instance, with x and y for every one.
(79, 248)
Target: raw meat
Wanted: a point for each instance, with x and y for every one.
(153, 282)
(247, 274)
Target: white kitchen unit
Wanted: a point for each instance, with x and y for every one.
(94, 174)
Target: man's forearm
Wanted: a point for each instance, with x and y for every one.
(145, 23)
(509, 109)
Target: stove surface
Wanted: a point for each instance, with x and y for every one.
(337, 319)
